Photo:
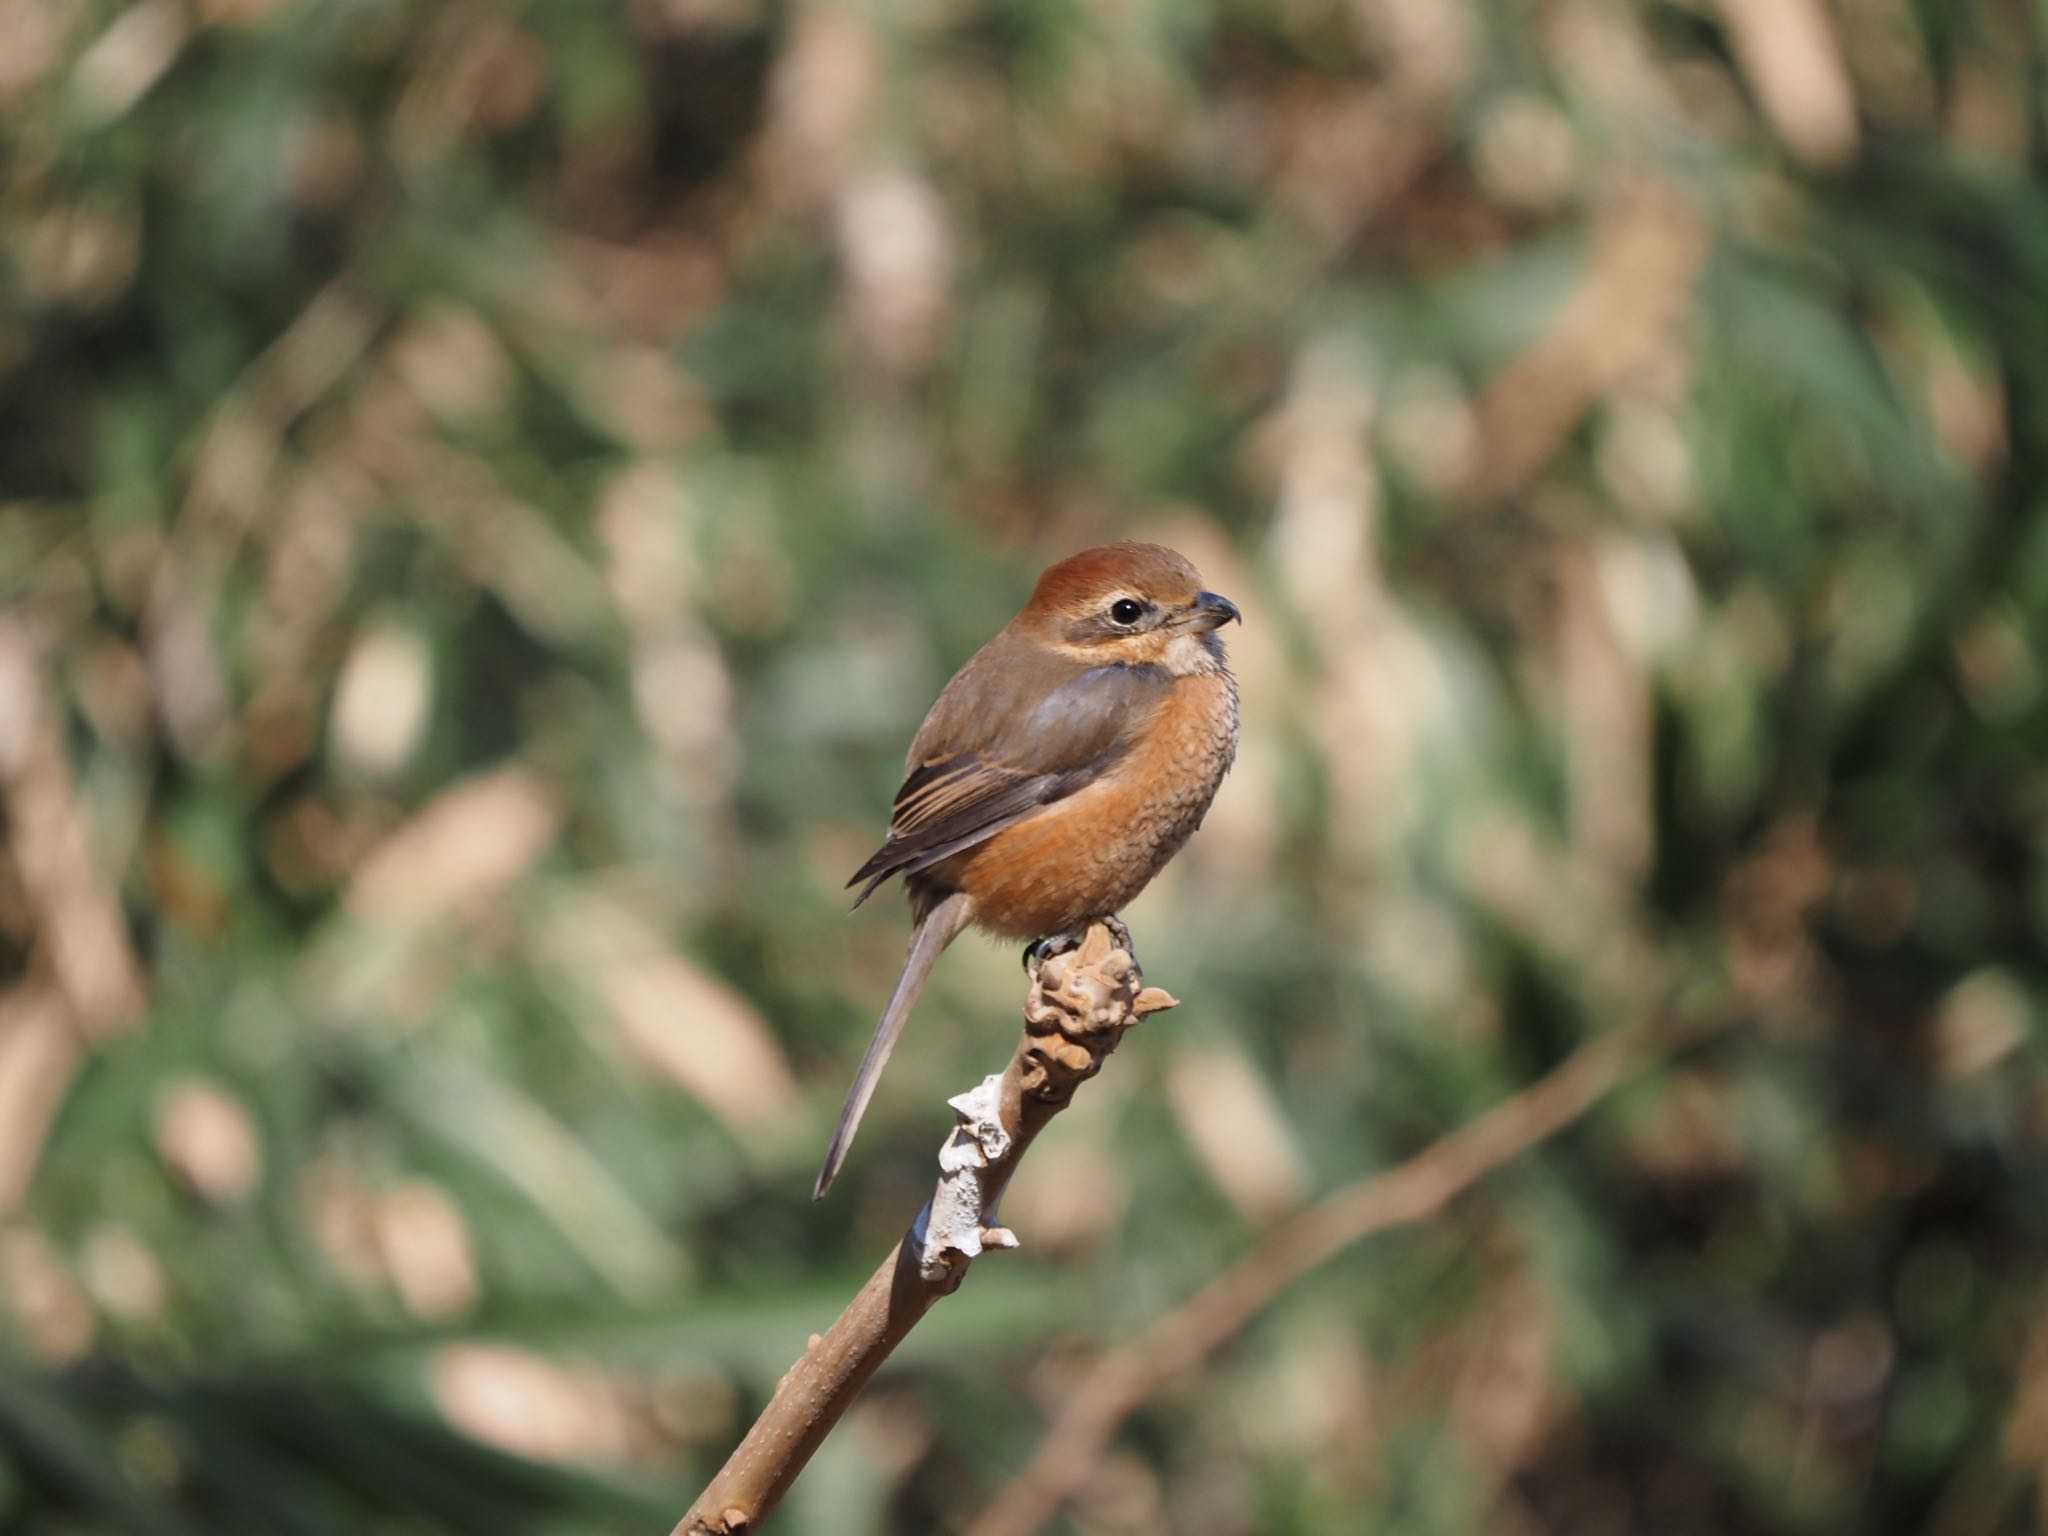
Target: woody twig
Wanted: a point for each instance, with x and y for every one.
(1416, 1190)
(1081, 1002)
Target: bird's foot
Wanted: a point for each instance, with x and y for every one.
(1038, 951)
(1042, 950)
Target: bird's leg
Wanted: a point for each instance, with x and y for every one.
(1118, 931)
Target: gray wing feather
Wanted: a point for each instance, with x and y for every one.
(959, 792)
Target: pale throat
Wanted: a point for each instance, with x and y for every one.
(1190, 655)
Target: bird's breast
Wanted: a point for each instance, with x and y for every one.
(1091, 853)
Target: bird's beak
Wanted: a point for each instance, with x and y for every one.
(1211, 612)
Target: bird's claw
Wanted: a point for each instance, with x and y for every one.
(1038, 951)
(1042, 950)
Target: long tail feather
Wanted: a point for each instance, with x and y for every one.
(941, 926)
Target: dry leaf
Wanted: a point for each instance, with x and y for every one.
(526, 1405)
(463, 848)
(1238, 1130)
(426, 1249)
(208, 1140)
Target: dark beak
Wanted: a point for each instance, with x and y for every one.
(1211, 612)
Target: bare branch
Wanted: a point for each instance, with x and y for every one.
(1417, 1189)
(1080, 1004)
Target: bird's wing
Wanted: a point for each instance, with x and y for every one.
(979, 765)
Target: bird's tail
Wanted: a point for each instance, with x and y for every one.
(940, 927)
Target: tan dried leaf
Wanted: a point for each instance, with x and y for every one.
(207, 1138)
(426, 1248)
(673, 1017)
(39, 1051)
(460, 850)
(50, 1311)
(526, 1405)
(381, 700)
(124, 61)
(1238, 1131)
(1789, 54)
(698, 1032)
(1981, 1021)
(122, 1272)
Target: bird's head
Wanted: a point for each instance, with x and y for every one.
(1130, 604)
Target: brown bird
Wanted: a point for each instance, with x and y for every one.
(1058, 772)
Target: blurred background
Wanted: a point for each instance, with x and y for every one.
(487, 491)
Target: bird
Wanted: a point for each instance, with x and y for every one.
(1065, 763)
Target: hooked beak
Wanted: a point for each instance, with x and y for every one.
(1211, 612)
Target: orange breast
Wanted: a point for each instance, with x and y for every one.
(1090, 854)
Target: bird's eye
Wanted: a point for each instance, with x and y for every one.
(1126, 610)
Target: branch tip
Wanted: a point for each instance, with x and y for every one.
(1153, 1000)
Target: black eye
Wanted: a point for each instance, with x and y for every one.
(1126, 610)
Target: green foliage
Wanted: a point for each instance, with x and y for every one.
(487, 491)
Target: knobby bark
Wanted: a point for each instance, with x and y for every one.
(1081, 1001)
